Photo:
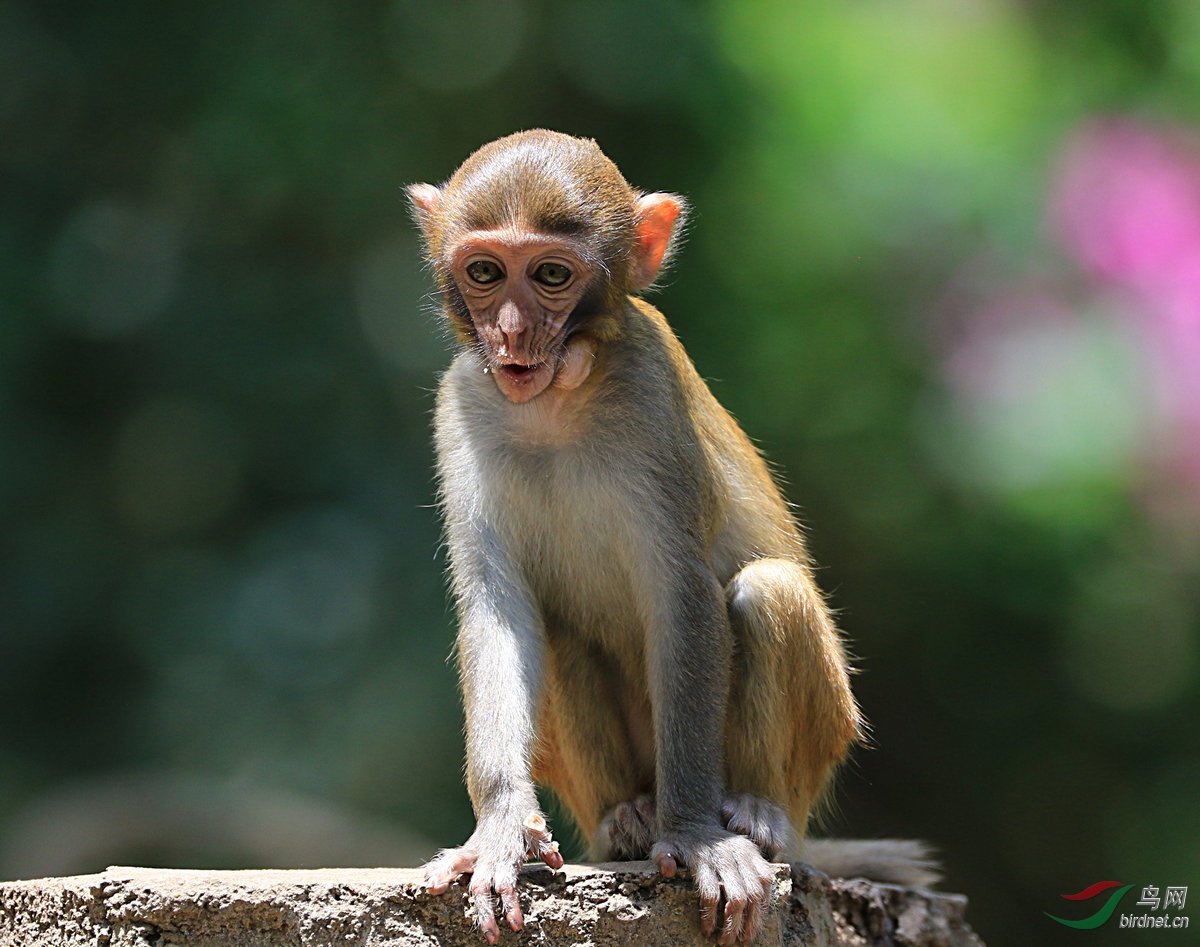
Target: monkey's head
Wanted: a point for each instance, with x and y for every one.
(536, 241)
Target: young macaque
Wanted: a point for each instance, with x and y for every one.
(639, 628)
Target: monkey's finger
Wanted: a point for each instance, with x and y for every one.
(759, 886)
(510, 901)
(710, 913)
(666, 864)
(541, 842)
(753, 919)
(444, 870)
(709, 889)
(729, 808)
(485, 913)
(731, 930)
(553, 857)
(644, 806)
(489, 927)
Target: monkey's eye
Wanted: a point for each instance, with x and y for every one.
(552, 274)
(484, 271)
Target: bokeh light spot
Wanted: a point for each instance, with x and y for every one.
(176, 468)
(386, 285)
(1131, 643)
(452, 47)
(305, 601)
(626, 52)
(114, 267)
(41, 93)
(1054, 401)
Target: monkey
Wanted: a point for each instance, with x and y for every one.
(639, 627)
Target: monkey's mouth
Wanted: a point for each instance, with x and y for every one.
(520, 381)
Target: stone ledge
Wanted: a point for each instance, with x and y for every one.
(598, 905)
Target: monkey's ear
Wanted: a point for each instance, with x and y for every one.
(658, 219)
(424, 201)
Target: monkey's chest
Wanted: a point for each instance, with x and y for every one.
(580, 548)
(586, 585)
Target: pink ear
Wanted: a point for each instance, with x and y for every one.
(425, 200)
(657, 214)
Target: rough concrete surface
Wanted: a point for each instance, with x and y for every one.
(592, 905)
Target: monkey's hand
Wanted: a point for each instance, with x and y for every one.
(492, 856)
(728, 871)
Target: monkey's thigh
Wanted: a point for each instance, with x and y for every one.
(583, 749)
(791, 714)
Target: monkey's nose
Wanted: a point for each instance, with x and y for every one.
(512, 325)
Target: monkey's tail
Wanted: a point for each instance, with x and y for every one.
(891, 861)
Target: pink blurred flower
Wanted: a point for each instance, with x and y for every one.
(1126, 204)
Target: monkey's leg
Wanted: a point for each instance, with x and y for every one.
(626, 833)
(792, 716)
(587, 748)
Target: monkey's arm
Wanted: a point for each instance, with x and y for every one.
(689, 651)
(500, 653)
(500, 662)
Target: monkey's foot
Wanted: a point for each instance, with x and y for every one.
(492, 856)
(761, 821)
(627, 832)
(731, 876)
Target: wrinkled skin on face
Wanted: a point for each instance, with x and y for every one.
(520, 288)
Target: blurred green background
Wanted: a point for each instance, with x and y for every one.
(944, 266)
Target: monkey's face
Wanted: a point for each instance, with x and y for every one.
(520, 287)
